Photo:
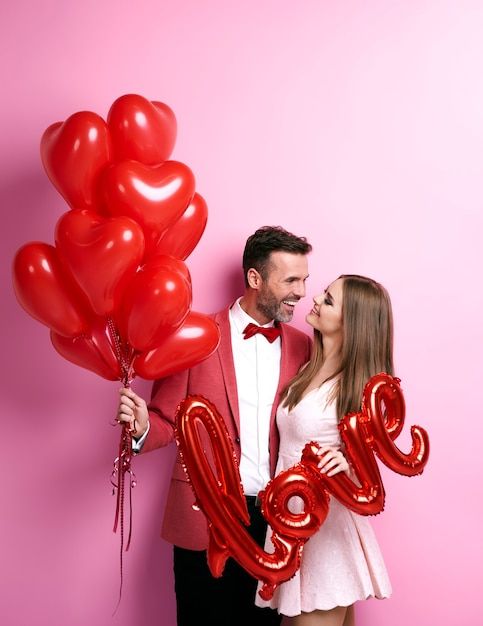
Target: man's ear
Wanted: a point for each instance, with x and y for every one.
(254, 279)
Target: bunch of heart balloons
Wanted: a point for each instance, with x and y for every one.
(114, 289)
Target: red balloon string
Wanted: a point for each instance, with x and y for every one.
(122, 464)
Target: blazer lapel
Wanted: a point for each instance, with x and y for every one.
(225, 355)
(283, 378)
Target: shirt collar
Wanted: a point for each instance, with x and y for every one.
(241, 319)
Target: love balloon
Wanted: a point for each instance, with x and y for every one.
(219, 494)
(114, 289)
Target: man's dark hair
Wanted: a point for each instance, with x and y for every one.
(270, 239)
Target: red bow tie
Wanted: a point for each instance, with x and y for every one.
(271, 333)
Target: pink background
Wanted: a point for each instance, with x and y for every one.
(358, 124)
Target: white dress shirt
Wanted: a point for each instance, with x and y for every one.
(257, 371)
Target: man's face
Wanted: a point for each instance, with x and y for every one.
(283, 287)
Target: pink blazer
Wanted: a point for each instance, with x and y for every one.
(215, 380)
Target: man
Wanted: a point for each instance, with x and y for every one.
(243, 379)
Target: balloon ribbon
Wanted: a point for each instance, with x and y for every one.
(122, 464)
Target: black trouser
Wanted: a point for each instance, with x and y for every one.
(225, 601)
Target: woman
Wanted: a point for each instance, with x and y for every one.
(341, 563)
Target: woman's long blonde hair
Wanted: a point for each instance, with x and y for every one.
(366, 345)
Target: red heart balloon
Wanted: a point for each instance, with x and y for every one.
(193, 342)
(102, 255)
(156, 302)
(73, 154)
(141, 130)
(103, 342)
(91, 351)
(46, 291)
(155, 197)
(182, 237)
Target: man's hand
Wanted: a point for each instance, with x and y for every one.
(133, 411)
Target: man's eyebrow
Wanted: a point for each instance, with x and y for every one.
(296, 277)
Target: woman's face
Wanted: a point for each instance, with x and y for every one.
(326, 314)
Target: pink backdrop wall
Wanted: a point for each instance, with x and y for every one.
(358, 124)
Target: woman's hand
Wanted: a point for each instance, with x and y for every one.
(332, 461)
(133, 411)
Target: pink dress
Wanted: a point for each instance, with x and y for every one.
(342, 562)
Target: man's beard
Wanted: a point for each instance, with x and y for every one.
(271, 307)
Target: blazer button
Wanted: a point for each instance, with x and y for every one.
(237, 440)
